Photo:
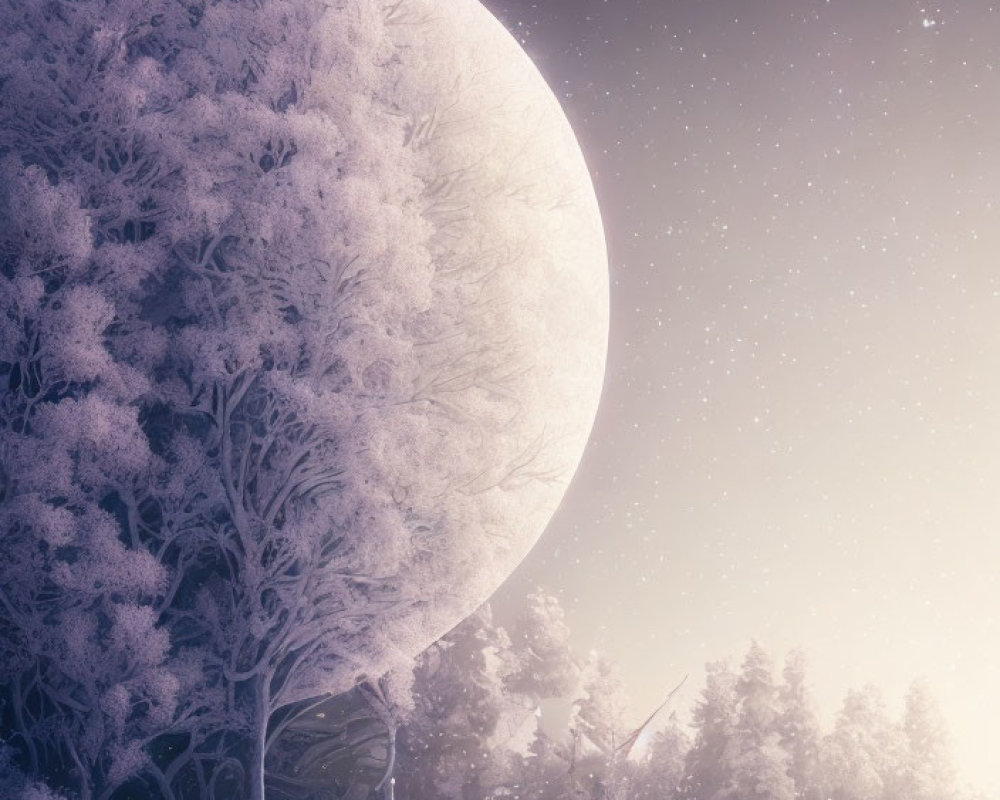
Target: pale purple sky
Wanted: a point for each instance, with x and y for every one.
(800, 432)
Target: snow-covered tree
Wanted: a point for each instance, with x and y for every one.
(860, 758)
(762, 772)
(660, 773)
(543, 772)
(541, 635)
(599, 712)
(710, 762)
(476, 695)
(798, 726)
(598, 730)
(269, 419)
(760, 768)
(737, 752)
(757, 697)
(927, 770)
(84, 673)
(459, 699)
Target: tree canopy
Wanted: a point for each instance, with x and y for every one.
(279, 403)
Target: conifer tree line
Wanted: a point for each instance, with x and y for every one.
(754, 734)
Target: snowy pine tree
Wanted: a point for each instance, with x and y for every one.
(540, 634)
(460, 695)
(660, 773)
(927, 771)
(761, 764)
(860, 759)
(710, 764)
(599, 711)
(798, 727)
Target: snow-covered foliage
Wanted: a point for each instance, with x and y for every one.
(928, 772)
(760, 764)
(279, 297)
(752, 737)
(15, 785)
(548, 668)
(460, 699)
(798, 726)
(862, 755)
(476, 695)
(598, 716)
(715, 745)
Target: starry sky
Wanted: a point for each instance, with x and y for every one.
(799, 437)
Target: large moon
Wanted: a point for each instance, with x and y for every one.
(515, 197)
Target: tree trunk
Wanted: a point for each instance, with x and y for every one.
(389, 781)
(258, 749)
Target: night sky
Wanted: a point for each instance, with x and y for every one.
(799, 437)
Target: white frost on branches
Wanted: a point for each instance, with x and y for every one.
(302, 320)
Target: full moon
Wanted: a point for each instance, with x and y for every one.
(516, 199)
